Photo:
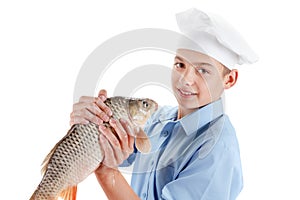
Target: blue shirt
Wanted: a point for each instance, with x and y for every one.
(196, 157)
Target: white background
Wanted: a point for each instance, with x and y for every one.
(43, 45)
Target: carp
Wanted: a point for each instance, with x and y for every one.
(78, 153)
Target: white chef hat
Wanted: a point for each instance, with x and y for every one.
(213, 36)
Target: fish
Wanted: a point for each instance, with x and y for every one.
(78, 153)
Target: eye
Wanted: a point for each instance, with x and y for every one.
(178, 65)
(203, 71)
(145, 104)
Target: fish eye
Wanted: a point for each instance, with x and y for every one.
(145, 104)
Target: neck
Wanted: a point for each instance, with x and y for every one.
(183, 112)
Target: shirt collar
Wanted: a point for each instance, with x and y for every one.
(197, 119)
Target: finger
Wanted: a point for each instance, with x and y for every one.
(113, 140)
(130, 144)
(98, 101)
(79, 109)
(94, 109)
(127, 127)
(102, 94)
(77, 117)
(121, 133)
(108, 160)
(87, 99)
(78, 120)
(116, 156)
(87, 115)
(103, 106)
(130, 135)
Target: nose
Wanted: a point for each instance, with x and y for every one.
(188, 76)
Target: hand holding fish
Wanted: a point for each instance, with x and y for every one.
(91, 109)
(117, 145)
(101, 137)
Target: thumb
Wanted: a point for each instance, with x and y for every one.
(102, 94)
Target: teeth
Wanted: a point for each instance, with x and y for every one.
(186, 93)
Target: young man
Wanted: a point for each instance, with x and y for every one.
(195, 153)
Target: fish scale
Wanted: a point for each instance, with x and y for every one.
(79, 153)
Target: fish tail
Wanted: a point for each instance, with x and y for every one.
(69, 193)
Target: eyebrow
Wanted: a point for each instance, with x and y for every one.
(178, 58)
(195, 64)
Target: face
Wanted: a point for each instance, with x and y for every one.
(197, 80)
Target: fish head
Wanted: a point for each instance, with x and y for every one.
(140, 109)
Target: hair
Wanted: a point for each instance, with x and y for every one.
(226, 70)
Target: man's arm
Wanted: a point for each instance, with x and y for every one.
(114, 184)
(116, 150)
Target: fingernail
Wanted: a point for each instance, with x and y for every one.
(123, 120)
(106, 118)
(102, 97)
(112, 121)
(101, 136)
(102, 128)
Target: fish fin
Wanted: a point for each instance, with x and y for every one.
(142, 141)
(48, 157)
(69, 193)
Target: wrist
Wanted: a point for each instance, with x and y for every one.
(114, 184)
(103, 172)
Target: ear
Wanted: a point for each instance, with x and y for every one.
(230, 78)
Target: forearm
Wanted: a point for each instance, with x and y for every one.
(114, 184)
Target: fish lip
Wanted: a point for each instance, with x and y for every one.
(155, 106)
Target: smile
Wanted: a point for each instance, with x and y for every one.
(186, 93)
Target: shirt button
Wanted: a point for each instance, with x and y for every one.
(144, 195)
(166, 133)
(152, 163)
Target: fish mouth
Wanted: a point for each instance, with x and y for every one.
(155, 107)
(143, 115)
